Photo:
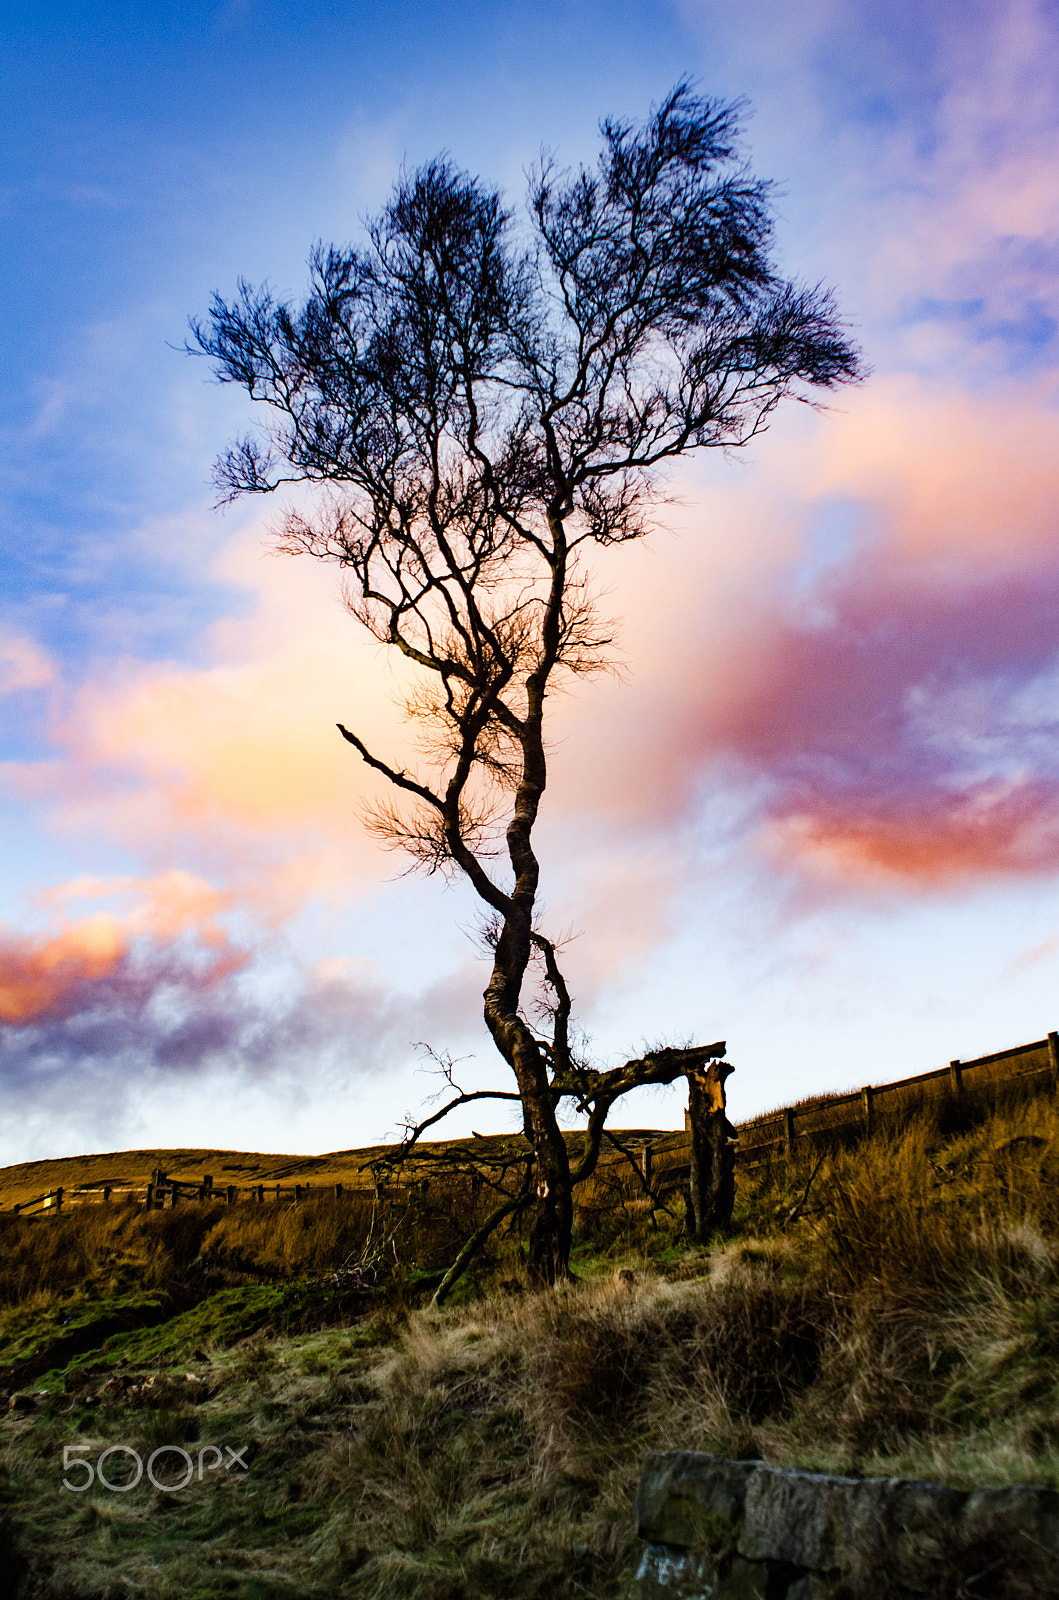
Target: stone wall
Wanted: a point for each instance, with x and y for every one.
(740, 1530)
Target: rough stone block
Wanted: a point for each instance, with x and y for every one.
(803, 1518)
(1028, 1516)
(692, 1500)
(739, 1530)
(747, 1580)
(895, 1526)
(920, 1522)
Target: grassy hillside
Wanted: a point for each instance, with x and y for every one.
(247, 1168)
(134, 1168)
(887, 1306)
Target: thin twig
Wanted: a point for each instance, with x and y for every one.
(792, 1215)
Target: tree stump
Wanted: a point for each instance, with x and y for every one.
(711, 1184)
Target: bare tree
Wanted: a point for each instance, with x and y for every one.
(486, 402)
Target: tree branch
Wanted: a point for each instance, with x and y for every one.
(475, 1242)
(460, 1100)
(399, 779)
(658, 1066)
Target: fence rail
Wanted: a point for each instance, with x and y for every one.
(828, 1114)
(663, 1159)
(52, 1201)
(164, 1192)
(759, 1138)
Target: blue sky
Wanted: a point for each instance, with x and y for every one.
(818, 816)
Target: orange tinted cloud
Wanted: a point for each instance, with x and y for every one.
(34, 976)
(121, 1004)
(42, 976)
(946, 476)
(988, 829)
(235, 763)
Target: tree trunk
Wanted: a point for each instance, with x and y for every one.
(711, 1186)
(551, 1236)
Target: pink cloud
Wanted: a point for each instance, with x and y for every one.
(23, 664)
(921, 146)
(45, 977)
(107, 1006)
(986, 830)
(885, 717)
(966, 481)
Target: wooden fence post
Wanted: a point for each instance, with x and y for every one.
(207, 1183)
(260, 1192)
(788, 1129)
(646, 1163)
(956, 1077)
(297, 1191)
(867, 1096)
(106, 1191)
(338, 1191)
(231, 1194)
(1053, 1053)
(148, 1199)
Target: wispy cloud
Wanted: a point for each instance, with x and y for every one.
(101, 1011)
(23, 664)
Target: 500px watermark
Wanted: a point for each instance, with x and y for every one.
(119, 1481)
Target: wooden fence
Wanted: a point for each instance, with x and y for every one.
(761, 1138)
(164, 1193)
(663, 1158)
(864, 1108)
